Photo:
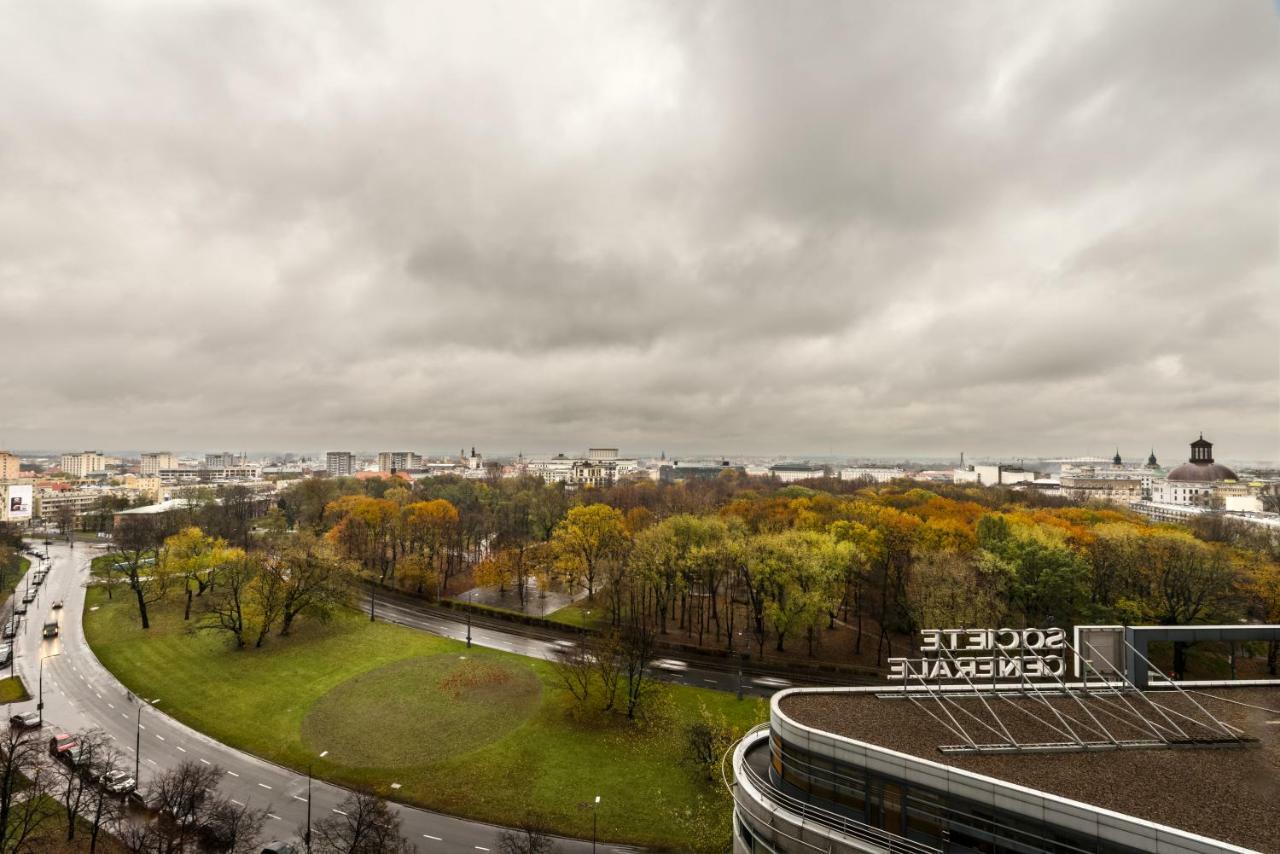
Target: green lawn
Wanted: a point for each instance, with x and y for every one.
(13, 691)
(581, 615)
(477, 733)
(10, 575)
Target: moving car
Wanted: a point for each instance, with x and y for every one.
(28, 720)
(118, 782)
(57, 605)
(50, 629)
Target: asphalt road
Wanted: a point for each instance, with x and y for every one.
(80, 694)
(453, 626)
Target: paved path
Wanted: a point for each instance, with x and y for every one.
(80, 694)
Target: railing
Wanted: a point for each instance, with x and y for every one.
(808, 812)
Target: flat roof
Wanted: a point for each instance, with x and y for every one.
(1222, 793)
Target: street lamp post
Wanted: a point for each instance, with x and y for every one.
(306, 837)
(373, 598)
(468, 619)
(595, 809)
(40, 701)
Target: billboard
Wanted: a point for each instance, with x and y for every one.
(17, 502)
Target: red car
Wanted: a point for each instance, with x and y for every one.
(62, 745)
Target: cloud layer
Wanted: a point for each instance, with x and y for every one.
(863, 228)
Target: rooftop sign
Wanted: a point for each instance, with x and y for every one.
(983, 654)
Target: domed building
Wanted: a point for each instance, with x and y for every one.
(1201, 468)
(1194, 481)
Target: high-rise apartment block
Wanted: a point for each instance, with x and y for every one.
(338, 463)
(9, 465)
(83, 463)
(153, 463)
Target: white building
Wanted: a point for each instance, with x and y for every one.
(878, 474)
(393, 461)
(211, 475)
(153, 463)
(792, 472)
(223, 460)
(82, 464)
(993, 475)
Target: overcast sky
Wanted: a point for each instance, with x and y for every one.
(851, 228)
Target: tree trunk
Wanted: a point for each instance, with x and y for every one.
(142, 606)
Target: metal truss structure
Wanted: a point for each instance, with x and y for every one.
(1097, 713)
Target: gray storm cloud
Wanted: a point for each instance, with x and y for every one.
(865, 228)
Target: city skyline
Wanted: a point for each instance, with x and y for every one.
(838, 228)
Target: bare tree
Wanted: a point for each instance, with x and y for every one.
(136, 537)
(232, 828)
(25, 779)
(184, 796)
(365, 825)
(226, 605)
(530, 836)
(104, 809)
(573, 665)
(73, 777)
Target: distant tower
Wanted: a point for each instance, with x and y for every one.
(1116, 461)
(1151, 460)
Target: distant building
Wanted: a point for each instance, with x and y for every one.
(601, 454)
(993, 475)
(792, 472)
(1196, 481)
(155, 462)
(211, 475)
(878, 474)
(1112, 490)
(82, 464)
(678, 471)
(10, 466)
(224, 460)
(339, 463)
(393, 461)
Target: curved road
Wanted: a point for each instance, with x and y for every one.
(79, 694)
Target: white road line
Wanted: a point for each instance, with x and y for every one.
(183, 749)
(338, 811)
(481, 848)
(233, 773)
(299, 798)
(273, 815)
(429, 836)
(206, 761)
(237, 803)
(159, 736)
(264, 785)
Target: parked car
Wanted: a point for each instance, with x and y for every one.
(27, 720)
(50, 629)
(6, 653)
(291, 847)
(28, 597)
(118, 782)
(10, 628)
(20, 607)
(61, 745)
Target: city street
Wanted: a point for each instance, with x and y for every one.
(80, 694)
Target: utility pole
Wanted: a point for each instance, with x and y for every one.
(468, 619)
(373, 598)
(40, 701)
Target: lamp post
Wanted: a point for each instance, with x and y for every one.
(373, 597)
(306, 837)
(40, 701)
(137, 746)
(469, 593)
(595, 809)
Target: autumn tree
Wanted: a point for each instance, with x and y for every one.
(589, 536)
(191, 557)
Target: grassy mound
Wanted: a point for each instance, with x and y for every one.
(428, 709)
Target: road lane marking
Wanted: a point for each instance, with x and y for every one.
(264, 785)
(324, 754)
(338, 811)
(233, 773)
(183, 749)
(273, 815)
(206, 761)
(237, 803)
(481, 848)
(429, 836)
(159, 736)
(299, 798)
